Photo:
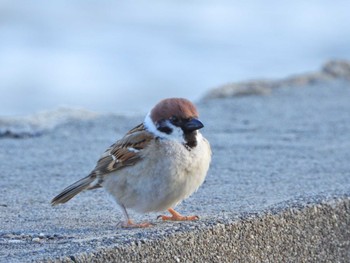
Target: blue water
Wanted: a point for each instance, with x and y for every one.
(124, 56)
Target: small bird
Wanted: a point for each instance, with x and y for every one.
(155, 166)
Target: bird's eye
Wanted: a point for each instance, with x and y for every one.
(174, 120)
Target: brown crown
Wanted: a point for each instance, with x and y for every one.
(181, 108)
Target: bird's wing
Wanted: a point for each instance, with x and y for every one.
(124, 152)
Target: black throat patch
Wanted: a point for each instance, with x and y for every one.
(191, 140)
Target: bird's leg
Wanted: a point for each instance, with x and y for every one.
(175, 216)
(129, 223)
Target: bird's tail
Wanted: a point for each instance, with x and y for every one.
(73, 190)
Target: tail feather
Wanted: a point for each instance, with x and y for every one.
(73, 190)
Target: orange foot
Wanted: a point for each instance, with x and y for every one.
(131, 224)
(175, 216)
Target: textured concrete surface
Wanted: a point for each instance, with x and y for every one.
(317, 233)
(278, 188)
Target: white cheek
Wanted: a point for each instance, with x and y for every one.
(176, 135)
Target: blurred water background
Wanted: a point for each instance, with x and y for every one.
(123, 56)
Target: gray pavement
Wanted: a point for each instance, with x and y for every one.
(279, 181)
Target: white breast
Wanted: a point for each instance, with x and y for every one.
(167, 174)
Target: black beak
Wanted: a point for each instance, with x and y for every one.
(192, 125)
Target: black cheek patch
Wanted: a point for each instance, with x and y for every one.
(163, 127)
(166, 130)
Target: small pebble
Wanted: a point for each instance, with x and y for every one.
(36, 239)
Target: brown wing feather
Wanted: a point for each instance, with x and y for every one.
(124, 152)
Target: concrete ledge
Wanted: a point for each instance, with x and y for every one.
(316, 233)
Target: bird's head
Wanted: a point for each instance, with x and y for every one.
(174, 118)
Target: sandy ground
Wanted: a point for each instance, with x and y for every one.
(289, 149)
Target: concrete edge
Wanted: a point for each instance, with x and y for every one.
(334, 69)
(315, 232)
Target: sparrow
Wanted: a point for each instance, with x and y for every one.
(155, 166)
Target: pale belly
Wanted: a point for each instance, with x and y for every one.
(157, 186)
